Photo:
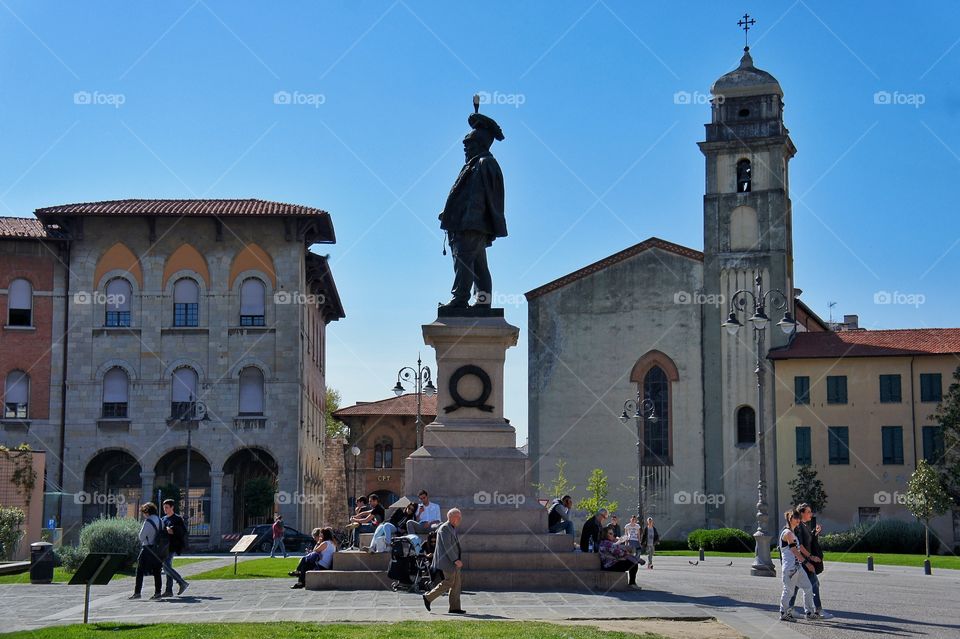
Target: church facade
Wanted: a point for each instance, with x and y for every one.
(646, 322)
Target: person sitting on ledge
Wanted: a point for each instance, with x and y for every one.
(384, 533)
(618, 556)
(358, 510)
(368, 519)
(320, 558)
(558, 519)
(427, 517)
(590, 534)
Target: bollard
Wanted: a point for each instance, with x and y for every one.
(701, 553)
(926, 567)
(870, 563)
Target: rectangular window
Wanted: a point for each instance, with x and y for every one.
(252, 320)
(890, 389)
(931, 387)
(804, 456)
(801, 389)
(114, 409)
(186, 314)
(892, 437)
(839, 445)
(933, 444)
(118, 318)
(837, 389)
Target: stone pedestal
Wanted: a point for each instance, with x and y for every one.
(469, 456)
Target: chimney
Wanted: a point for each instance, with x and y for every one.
(851, 322)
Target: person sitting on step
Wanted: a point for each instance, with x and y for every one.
(320, 558)
(427, 517)
(384, 533)
(618, 556)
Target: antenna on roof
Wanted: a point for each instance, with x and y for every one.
(830, 305)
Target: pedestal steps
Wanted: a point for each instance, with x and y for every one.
(576, 561)
(596, 581)
(505, 542)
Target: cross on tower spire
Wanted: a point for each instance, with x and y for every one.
(745, 23)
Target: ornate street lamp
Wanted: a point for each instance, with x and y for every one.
(355, 451)
(422, 381)
(762, 564)
(643, 410)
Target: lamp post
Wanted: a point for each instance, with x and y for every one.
(355, 451)
(643, 409)
(422, 380)
(762, 564)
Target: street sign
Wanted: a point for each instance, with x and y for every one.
(242, 546)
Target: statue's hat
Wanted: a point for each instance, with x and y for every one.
(480, 121)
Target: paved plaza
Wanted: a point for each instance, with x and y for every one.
(892, 601)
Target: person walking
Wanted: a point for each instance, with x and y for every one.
(174, 527)
(649, 538)
(277, 531)
(808, 534)
(446, 560)
(148, 561)
(794, 568)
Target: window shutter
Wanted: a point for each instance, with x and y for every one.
(186, 291)
(251, 390)
(20, 295)
(251, 297)
(119, 293)
(17, 387)
(184, 385)
(115, 386)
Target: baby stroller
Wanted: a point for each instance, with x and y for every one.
(409, 565)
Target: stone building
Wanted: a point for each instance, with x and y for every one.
(385, 433)
(857, 407)
(171, 304)
(648, 320)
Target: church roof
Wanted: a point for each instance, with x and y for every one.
(405, 405)
(746, 80)
(865, 343)
(636, 249)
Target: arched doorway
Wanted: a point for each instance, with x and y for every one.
(171, 477)
(387, 497)
(111, 486)
(243, 467)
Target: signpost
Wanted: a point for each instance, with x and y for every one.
(242, 546)
(96, 570)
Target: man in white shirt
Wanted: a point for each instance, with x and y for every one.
(427, 517)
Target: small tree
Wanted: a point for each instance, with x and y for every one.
(948, 416)
(807, 488)
(597, 488)
(11, 531)
(559, 486)
(170, 491)
(926, 497)
(258, 497)
(335, 428)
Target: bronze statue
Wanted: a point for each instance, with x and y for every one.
(473, 215)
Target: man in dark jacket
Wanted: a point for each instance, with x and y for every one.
(473, 214)
(558, 519)
(808, 536)
(173, 526)
(591, 531)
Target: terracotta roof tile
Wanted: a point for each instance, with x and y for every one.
(653, 242)
(864, 343)
(179, 208)
(23, 227)
(405, 405)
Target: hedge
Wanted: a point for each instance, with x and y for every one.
(886, 535)
(720, 539)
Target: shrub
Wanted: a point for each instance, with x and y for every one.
(672, 544)
(721, 539)
(11, 531)
(114, 535)
(886, 535)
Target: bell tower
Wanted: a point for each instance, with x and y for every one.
(746, 232)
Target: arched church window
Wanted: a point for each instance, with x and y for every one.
(743, 176)
(656, 434)
(746, 425)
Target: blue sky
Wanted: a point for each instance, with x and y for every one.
(598, 154)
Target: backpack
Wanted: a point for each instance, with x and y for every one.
(161, 542)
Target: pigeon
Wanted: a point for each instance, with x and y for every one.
(693, 563)
(730, 564)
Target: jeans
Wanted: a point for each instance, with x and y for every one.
(562, 526)
(362, 528)
(798, 578)
(417, 528)
(815, 583)
(172, 574)
(278, 544)
(650, 554)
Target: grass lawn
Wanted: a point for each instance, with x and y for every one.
(253, 569)
(879, 559)
(62, 576)
(404, 630)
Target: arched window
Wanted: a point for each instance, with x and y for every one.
(251, 391)
(656, 434)
(186, 303)
(119, 293)
(184, 392)
(115, 393)
(746, 425)
(383, 454)
(252, 293)
(20, 303)
(16, 395)
(743, 176)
